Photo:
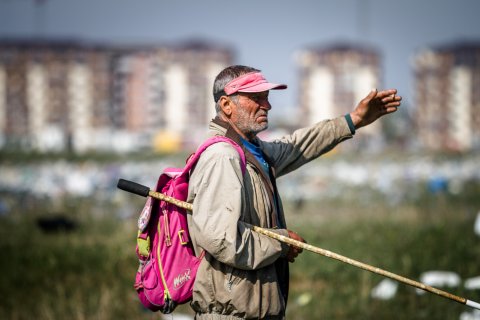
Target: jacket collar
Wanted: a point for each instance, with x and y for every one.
(221, 127)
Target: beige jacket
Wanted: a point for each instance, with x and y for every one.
(244, 274)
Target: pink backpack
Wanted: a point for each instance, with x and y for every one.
(168, 264)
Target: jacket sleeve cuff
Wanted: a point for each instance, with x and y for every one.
(285, 247)
(351, 126)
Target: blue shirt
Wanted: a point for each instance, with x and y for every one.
(257, 152)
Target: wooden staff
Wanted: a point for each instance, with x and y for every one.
(145, 191)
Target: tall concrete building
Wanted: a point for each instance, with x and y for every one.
(51, 94)
(447, 96)
(67, 95)
(333, 79)
(188, 72)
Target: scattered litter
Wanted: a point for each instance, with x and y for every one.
(385, 290)
(477, 225)
(78, 182)
(472, 283)
(304, 299)
(474, 315)
(439, 279)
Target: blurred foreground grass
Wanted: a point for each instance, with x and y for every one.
(88, 273)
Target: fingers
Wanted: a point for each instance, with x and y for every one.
(385, 96)
(391, 109)
(391, 98)
(294, 251)
(386, 93)
(370, 96)
(393, 104)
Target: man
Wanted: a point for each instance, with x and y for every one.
(244, 275)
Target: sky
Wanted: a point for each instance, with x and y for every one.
(264, 34)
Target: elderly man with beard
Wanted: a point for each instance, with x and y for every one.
(244, 274)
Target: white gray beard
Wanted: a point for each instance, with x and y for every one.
(247, 126)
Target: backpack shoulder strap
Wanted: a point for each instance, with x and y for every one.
(193, 160)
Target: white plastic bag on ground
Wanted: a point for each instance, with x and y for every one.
(439, 279)
(385, 290)
(472, 283)
(474, 315)
(476, 228)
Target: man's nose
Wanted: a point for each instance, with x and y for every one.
(265, 104)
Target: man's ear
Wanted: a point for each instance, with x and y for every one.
(226, 105)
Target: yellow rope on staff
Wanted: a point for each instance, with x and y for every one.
(178, 203)
(332, 255)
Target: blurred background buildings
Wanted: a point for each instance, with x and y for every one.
(333, 79)
(76, 96)
(447, 83)
(82, 96)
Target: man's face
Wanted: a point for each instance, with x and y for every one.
(251, 112)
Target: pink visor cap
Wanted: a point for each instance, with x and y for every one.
(249, 82)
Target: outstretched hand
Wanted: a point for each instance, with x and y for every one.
(374, 106)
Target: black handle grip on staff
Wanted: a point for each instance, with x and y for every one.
(133, 187)
(144, 191)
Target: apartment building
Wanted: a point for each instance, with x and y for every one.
(67, 95)
(333, 79)
(188, 72)
(447, 96)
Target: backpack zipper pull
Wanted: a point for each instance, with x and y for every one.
(168, 240)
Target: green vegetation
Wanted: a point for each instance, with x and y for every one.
(88, 273)
(405, 240)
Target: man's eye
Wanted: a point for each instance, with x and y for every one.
(259, 98)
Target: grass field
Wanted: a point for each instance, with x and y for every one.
(88, 273)
(406, 240)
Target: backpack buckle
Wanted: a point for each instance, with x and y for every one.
(180, 235)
